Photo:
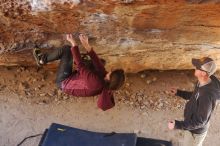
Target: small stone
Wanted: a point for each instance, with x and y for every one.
(40, 86)
(143, 75)
(27, 71)
(14, 82)
(126, 102)
(43, 102)
(52, 93)
(160, 105)
(27, 41)
(18, 70)
(149, 81)
(34, 80)
(28, 93)
(133, 96)
(136, 104)
(145, 113)
(23, 86)
(127, 84)
(59, 93)
(140, 94)
(51, 73)
(28, 79)
(58, 102)
(128, 1)
(139, 99)
(127, 92)
(131, 103)
(43, 94)
(167, 92)
(146, 103)
(142, 107)
(154, 79)
(178, 106)
(137, 131)
(65, 97)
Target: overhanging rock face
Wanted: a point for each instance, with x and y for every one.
(130, 34)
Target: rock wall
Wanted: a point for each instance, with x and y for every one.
(130, 34)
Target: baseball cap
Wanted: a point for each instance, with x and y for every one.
(205, 64)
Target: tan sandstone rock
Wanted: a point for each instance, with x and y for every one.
(130, 34)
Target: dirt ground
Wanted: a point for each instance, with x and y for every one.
(30, 102)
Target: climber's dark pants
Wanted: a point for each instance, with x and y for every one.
(63, 54)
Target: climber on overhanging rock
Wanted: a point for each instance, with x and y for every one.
(84, 81)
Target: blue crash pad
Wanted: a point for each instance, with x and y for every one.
(60, 135)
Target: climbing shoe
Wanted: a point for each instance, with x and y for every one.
(37, 56)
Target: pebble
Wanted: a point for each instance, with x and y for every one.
(127, 92)
(22, 86)
(145, 113)
(19, 70)
(59, 92)
(140, 94)
(28, 93)
(143, 106)
(131, 103)
(146, 103)
(42, 102)
(167, 92)
(51, 73)
(34, 80)
(42, 94)
(133, 96)
(137, 131)
(154, 79)
(126, 102)
(149, 81)
(140, 99)
(178, 106)
(143, 75)
(160, 105)
(65, 97)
